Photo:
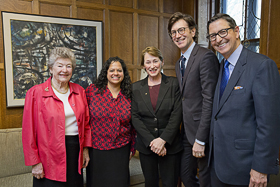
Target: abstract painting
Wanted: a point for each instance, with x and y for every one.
(28, 40)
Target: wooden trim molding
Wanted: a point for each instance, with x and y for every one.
(2, 66)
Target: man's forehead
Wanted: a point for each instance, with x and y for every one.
(219, 24)
(180, 23)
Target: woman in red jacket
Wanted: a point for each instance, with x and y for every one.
(55, 127)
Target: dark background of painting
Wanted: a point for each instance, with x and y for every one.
(32, 43)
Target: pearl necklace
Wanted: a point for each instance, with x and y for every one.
(58, 90)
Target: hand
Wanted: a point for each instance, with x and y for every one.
(37, 171)
(130, 155)
(157, 145)
(85, 157)
(257, 179)
(163, 152)
(198, 150)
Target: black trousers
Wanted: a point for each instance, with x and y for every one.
(73, 178)
(108, 168)
(189, 165)
(168, 167)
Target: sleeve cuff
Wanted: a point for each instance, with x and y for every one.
(199, 142)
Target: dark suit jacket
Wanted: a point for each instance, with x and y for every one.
(245, 127)
(164, 122)
(198, 88)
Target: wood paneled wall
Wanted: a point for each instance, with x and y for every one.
(128, 27)
(270, 27)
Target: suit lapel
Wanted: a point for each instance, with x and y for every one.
(145, 93)
(189, 64)
(216, 100)
(164, 87)
(236, 74)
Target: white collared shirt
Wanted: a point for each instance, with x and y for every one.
(187, 54)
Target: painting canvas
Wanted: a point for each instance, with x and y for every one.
(28, 40)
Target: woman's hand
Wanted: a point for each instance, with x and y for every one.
(163, 152)
(38, 171)
(85, 157)
(157, 145)
(130, 155)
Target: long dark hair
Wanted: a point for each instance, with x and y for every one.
(102, 80)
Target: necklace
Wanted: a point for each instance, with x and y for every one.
(58, 90)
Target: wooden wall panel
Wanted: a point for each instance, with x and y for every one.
(90, 14)
(190, 7)
(121, 36)
(169, 72)
(148, 5)
(54, 10)
(15, 6)
(170, 51)
(129, 26)
(92, 1)
(148, 33)
(270, 27)
(123, 3)
(172, 6)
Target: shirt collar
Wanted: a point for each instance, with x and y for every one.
(108, 92)
(187, 54)
(235, 55)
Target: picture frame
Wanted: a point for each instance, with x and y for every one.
(28, 40)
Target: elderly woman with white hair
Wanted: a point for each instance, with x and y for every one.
(55, 126)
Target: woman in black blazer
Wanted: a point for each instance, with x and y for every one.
(156, 115)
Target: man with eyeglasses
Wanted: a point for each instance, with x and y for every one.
(197, 72)
(245, 125)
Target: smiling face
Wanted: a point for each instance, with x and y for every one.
(115, 73)
(183, 41)
(152, 65)
(62, 70)
(227, 45)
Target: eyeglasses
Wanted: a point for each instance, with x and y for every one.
(180, 31)
(222, 33)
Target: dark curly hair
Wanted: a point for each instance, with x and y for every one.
(102, 80)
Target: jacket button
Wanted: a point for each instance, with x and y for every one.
(183, 99)
(156, 129)
(155, 119)
(216, 118)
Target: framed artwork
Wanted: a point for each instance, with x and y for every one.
(28, 40)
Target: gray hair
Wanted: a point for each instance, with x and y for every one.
(61, 52)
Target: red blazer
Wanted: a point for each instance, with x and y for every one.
(43, 128)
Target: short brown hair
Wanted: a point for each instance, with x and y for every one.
(152, 51)
(189, 19)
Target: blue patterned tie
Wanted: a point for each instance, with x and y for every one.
(182, 61)
(225, 78)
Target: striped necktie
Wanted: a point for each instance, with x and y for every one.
(182, 66)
